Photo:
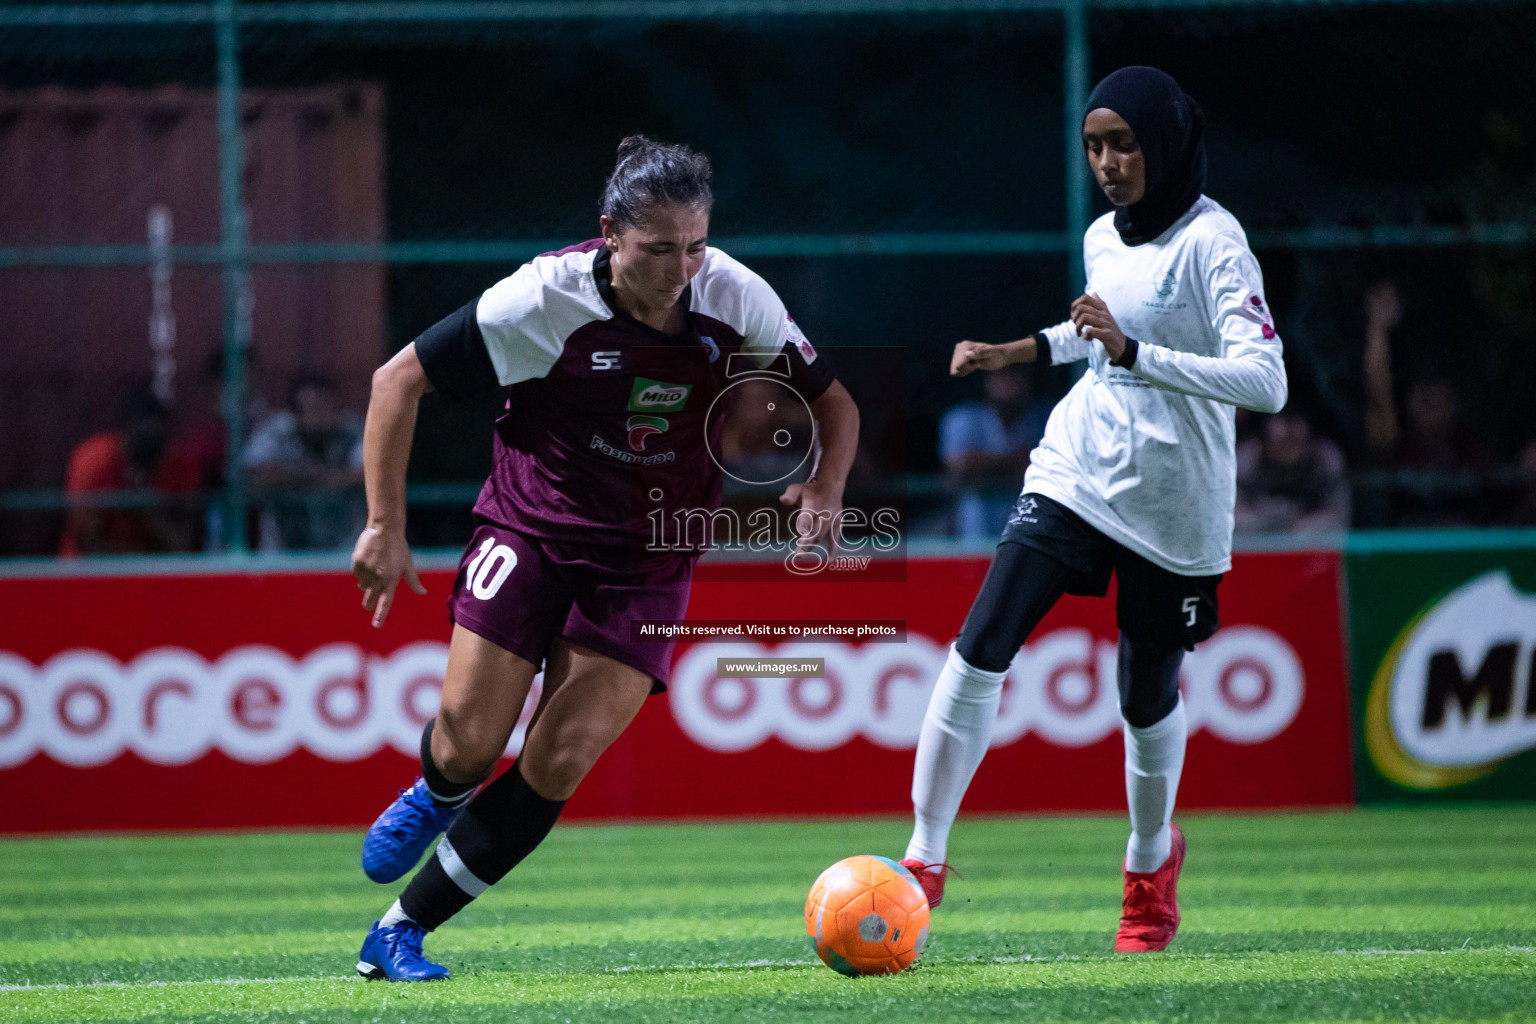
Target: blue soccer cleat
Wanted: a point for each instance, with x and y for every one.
(396, 841)
(395, 953)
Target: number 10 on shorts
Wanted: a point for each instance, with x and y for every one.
(489, 569)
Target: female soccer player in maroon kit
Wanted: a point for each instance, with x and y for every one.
(615, 351)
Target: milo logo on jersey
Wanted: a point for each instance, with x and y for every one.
(1454, 697)
(658, 396)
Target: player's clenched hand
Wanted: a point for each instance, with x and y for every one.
(971, 356)
(1093, 320)
(819, 518)
(379, 560)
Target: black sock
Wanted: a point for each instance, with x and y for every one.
(497, 830)
(443, 792)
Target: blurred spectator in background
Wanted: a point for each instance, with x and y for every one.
(306, 468)
(1519, 508)
(1438, 462)
(985, 447)
(204, 434)
(1289, 478)
(137, 456)
(767, 436)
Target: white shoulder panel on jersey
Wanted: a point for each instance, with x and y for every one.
(728, 291)
(526, 318)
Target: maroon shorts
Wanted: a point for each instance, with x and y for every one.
(521, 593)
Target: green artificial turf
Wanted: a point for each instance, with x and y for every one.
(1414, 915)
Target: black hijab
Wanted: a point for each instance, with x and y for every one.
(1171, 130)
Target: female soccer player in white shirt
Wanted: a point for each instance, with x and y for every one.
(1135, 477)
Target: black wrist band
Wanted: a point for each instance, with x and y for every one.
(1042, 348)
(1128, 357)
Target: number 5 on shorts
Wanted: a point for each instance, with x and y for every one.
(494, 563)
(1190, 606)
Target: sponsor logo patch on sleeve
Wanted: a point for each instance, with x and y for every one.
(1253, 308)
(797, 337)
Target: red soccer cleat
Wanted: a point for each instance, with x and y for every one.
(1151, 913)
(931, 878)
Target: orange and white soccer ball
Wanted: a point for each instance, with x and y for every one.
(867, 915)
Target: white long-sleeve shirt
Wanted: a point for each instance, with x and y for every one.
(1147, 455)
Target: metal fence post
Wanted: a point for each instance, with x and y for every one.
(1074, 93)
(233, 258)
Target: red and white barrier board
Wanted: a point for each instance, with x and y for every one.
(147, 702)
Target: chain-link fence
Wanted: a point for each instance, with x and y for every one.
(905, 174)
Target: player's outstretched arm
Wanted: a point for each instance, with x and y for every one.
(970, 356)
(821, 497)
(381, 556)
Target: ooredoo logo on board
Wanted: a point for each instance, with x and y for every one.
(258, 704)
(1245, 685)
(254, 703)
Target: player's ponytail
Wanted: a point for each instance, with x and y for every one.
(632, 144)
(649, 174)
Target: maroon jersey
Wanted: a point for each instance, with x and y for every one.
(610, 423)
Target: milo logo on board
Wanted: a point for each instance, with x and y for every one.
(1455, 694)
(658, 396)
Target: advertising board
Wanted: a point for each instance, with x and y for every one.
(1443, 648)
(266, 700)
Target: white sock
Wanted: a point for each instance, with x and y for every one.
(1154, 759)
(393, 916)
(953, 741)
